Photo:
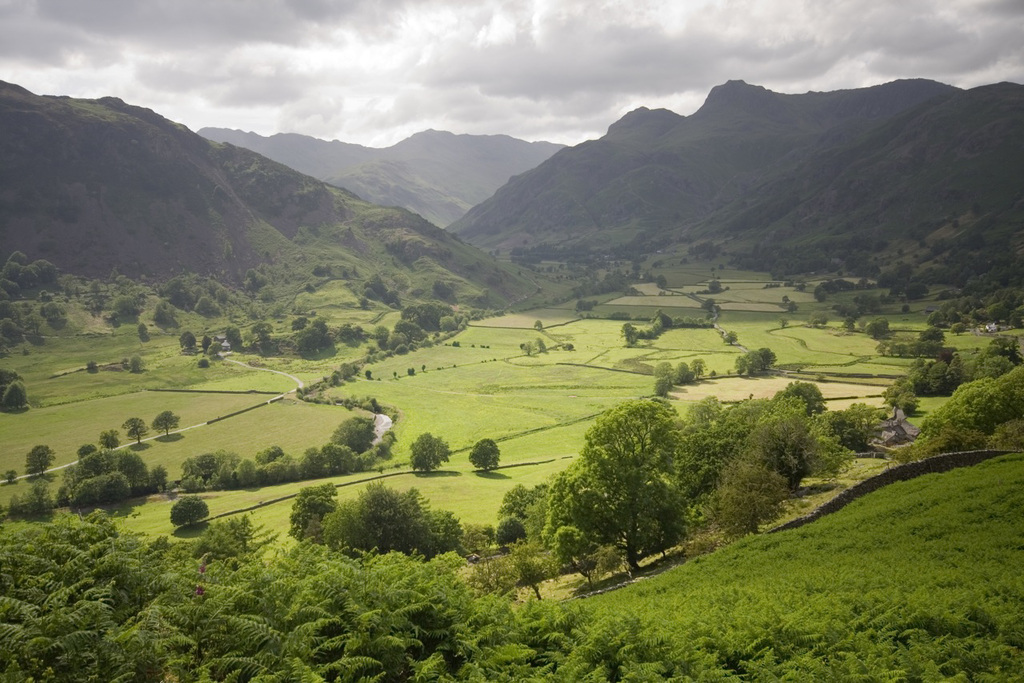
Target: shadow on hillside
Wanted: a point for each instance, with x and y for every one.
(491, 475)
(170, 438)
(438, 473)
(190, 531)
(140, 446)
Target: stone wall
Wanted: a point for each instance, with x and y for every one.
(910, 470)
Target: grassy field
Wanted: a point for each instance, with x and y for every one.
(837, 599)
(537, 406)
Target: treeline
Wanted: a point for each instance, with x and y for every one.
(948, 370)
(660, 322)
(351, 449)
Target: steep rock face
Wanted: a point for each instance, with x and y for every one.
(656, 172)
(436, 174)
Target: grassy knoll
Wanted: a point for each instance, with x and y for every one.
(908, 583)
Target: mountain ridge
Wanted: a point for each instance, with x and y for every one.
(101, 185)
(656, 170)
(437, 174)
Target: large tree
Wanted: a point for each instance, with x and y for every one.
(189, 510)
(428, 452)
(311, 505)
(165, 422)
(136, 428)
(110, 439)
(14, 397)
(620, 491)
(38, 460)
(357, 432)
(485, 454)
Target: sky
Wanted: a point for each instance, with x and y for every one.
(376, 71)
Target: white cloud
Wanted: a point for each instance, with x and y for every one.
(373, 72)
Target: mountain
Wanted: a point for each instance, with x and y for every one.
(436, 174)
(943, 180)
(751, 158)
(94, 185)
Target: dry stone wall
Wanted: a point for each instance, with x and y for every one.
(910, 470)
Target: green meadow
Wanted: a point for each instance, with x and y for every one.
(479, 383)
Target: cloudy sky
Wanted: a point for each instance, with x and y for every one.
(376, 71)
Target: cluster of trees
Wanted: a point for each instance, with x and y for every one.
(942, 375)
(660, 322)
(756, 362)
(984, 413)
(13, 394)
(380, 519)
(929, 342)
(18, 274)
(645, 478)
(103, 477)
(191, 292)
(666, 377)
(351, 449)
(1004, 305)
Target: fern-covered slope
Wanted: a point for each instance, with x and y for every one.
(919, 580)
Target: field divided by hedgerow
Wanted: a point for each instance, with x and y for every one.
(912, 582)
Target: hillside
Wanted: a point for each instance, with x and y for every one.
(911, 581)
(758, 168)
(94, 185)
(436, 174)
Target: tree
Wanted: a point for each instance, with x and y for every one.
(698, 367)
(877, 328)
(136, 365)
(510, 530)
(576, 551)
(135, 427)
(386, 520)
(357, 432)
(808, 393)
(39, 460)
(187, 341)
(189, 510)
(630, 334)
(11, 476)
(15, 397)
(485, 454)
(749, 494)
(428, 452)
(755, 362)
(311, 503)
(620, 490)
(730, 337)
(165, 422)
(531, 564)
(110, 439)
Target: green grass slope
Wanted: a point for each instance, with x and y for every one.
(918, 581)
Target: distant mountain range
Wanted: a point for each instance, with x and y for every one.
(436, 174)
(97, 185)
(786, 182)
